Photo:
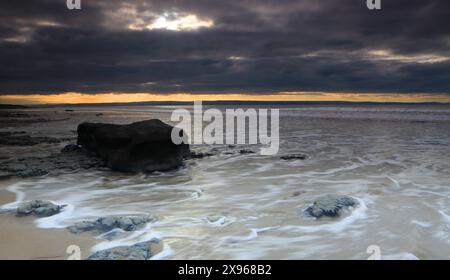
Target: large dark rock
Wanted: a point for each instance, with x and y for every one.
(144, 146)
(331, 206)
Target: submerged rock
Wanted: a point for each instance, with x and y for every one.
(16, 167)
(199, 155)
(105, 224)
(139, 251)
(294, 157)
(144, 146)
(330, 206)
(70, 148)
(71, 158)
(40, 208)
(242, 152)
(19, 138)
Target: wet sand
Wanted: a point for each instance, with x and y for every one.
(22, 240)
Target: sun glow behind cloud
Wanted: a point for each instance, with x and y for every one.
(145, 17)
(170, 21)
(179, 23)
(77, 98)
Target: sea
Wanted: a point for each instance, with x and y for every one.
(393, 159)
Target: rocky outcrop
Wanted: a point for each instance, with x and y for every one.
(139, 147)
(10, 118)
(105, 224)
(71, 158)
(144, 146)
(331, 206)
(139, 251)
(19, 138)
(40, 208)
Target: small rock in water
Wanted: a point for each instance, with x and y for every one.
(70, 148)
(330, 206)
(199, 155)
(294, 157)
(242, 152)
(40, 208)
(105, 224)
(139, 251)
(297, 193)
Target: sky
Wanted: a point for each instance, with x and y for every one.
(130, 50)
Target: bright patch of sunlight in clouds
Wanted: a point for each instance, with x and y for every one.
(176, 22)
(143, 16)
(171, 21)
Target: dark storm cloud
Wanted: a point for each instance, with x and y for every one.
(254, 46)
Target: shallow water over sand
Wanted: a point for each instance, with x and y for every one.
(394, 160)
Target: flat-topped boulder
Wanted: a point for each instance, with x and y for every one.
(144, 146)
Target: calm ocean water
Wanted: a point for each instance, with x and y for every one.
(394, 159)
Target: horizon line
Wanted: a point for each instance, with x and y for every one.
(217, 102)
(72, 98)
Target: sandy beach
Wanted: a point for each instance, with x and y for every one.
(19, 236)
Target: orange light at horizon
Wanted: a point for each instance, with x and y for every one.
(79, 98)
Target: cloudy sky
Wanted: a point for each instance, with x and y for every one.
(218, 46)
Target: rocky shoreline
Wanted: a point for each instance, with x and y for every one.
(144, 146)
(107, 226)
